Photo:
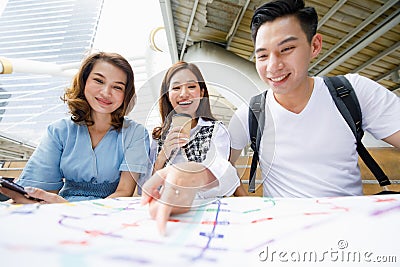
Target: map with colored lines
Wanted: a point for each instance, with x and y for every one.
(246, 231)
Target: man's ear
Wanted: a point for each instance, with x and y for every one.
(316, 45)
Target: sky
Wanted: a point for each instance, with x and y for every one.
(125, 26)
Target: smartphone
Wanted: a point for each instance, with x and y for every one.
(16, 188)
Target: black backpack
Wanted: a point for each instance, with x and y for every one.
(346, 101)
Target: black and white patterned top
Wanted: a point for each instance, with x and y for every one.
(197, 147)
(209, 145)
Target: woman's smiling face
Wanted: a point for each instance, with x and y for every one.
(184, 92)
(105, 87)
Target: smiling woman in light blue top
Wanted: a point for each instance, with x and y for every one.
(66, 152)
(98, 152)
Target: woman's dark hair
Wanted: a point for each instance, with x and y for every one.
(270, 11)
(75, 95)
(165, 106)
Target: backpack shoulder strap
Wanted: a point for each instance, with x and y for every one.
(347, 103)
(256, 127)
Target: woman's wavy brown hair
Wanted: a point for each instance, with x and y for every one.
(75, 95)
(165, 106)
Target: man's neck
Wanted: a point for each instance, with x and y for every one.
(297, 100)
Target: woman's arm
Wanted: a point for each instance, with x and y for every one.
(127, 185)
(160, 161)
(43, 168)
(136, 165)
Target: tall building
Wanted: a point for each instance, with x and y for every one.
(50, 31)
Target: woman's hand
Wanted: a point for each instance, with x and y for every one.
(172, 190)
(44, 196)
(174, 140)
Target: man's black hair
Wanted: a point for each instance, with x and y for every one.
(270, 11)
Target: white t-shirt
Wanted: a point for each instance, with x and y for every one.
(216, 160)
(313, 153)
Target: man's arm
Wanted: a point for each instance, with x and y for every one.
(393, 139)
(172, 190)
(240, 190)
(235, 154)
(240, 137)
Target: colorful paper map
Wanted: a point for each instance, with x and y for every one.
(246, 231)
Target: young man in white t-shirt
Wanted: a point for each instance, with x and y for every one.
(307, 148)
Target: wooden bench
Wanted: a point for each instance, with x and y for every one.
(12, 168)
(387, 157)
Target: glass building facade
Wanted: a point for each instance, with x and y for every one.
(49, 31)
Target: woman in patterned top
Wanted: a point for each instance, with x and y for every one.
(187, 167)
